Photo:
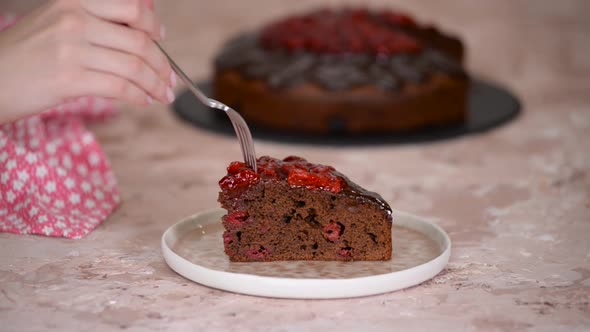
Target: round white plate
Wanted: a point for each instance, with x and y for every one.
(193, 248)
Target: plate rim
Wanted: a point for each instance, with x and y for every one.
(295, 288)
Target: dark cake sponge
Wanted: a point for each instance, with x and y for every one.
(349, 71)
(295, 210)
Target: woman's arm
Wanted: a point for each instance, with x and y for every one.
(70, 48)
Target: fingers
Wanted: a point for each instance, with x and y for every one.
(132, 41)
(108, 50)
(111, 86)
(129, 67)
(135, 13)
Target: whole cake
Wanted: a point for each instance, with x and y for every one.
(295, 210)
(344, 71)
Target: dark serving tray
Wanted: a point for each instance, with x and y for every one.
(490, 106)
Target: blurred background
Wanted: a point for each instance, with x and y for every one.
(528, 43)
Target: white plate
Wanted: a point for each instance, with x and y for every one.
(193, 248)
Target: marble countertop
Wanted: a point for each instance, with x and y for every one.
(515, 201)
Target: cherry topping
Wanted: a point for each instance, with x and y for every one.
(299, 177)
(297, 171)
(323, 180)
(346, 31)
(235, 167)
(268, 166)
(238, 178)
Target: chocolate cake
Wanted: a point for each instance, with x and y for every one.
(295, 210)
(344, 71)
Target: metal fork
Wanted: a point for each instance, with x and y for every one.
(240, 126)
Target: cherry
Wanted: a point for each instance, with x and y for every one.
(239, 180)
(268, 167)
(237, 218)
(345, 252)
(228, 238)
(258, 252)
(295, 43)
(333, 231)
(235, 167)
(299, 177)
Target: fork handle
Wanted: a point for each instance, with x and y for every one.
(193, 87)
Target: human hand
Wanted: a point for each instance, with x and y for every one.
(72, 48)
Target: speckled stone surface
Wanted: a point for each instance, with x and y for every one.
(515, 201)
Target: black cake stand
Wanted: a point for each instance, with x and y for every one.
(490, 106)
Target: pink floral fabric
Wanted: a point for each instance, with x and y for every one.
(54, 178)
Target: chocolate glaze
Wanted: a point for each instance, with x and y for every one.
(349, 189)
(355, 191)
(334, 72)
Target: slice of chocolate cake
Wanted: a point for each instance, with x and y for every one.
(295, 210)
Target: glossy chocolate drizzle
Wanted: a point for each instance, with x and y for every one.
(282, 69)
(354, 190)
